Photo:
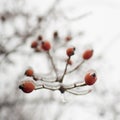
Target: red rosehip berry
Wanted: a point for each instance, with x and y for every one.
(29, 72)
(87, 54)
(34, 44)
(90, 78)
(70, 51)
(27, 86)
(68, 38)
(46, 45)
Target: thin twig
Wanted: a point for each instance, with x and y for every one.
(79, 92)
(19, 45)
(61, 80)
(53, 88)
(75, 85)
(53, 64)
(10, 52)
(37, 78)
(57, 87)
(49, 81)
(78, 17)
(78, 66)
(38, 87)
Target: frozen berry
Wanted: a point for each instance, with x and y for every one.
(70, 51)
(90, 78)
(29, 72)
(87, 54)
(34, 44)
(46, 45)
(27, 86)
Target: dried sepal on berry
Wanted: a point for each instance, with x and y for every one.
(87, 54)
(29, 72)
(27, 86)
(90, 78)
(70, 51)
(45, 45)
(69, 62)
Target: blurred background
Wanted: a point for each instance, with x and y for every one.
(91, 23)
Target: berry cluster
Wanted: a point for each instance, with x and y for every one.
(40, 45)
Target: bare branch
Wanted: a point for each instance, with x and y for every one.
(61, 80)
(79, 92)
(53, 64)
(77, 67)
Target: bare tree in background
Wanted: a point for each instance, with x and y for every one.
(19, 28)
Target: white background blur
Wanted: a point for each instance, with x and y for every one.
(102, 32)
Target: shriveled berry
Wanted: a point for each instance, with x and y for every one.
(40, 37)
(34, 44)
(90, 78)
(29, 72)
(55, 34)
(27, 86)
(46, 45)
(87, 54)
(70, 51)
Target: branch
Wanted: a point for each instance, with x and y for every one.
(61, 87)
(44, 79)
(61, 80)
(53, 64)
(53, 88)
(78, 66)
(79, 92)
(75, 85)
(79, 17)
